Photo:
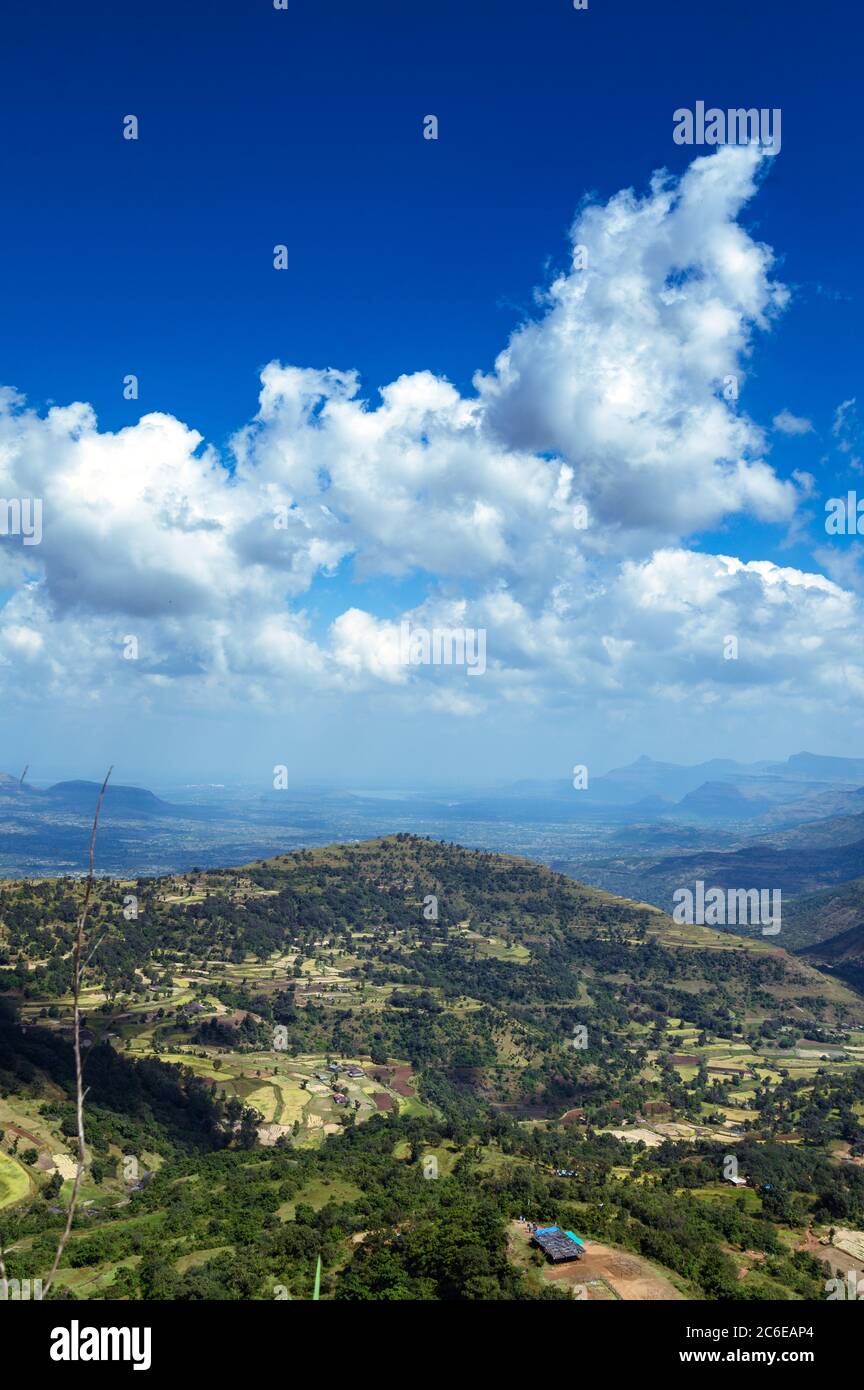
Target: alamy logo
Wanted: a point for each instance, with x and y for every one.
(443, 646)
(730, 1168)
(20, 1290)
(845, 515)
(848, 1289)
(77, 1343)
(22, 516)
(734, 127)
(735, 907)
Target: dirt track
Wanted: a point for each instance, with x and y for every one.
(26, 1134)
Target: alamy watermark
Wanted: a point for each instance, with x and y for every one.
(720, 907)
(733, 127)
(20, 1290)
(22, 516)
(443, 646)
(77, 1343)
(851, 1288)
(845, 515)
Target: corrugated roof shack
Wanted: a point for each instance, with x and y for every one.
(558, 1245)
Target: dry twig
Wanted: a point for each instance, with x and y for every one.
(80, 1093)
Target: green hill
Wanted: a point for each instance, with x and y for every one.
(281, 1047)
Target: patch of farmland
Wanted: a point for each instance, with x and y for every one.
(14, 1182)
(89, 1280)
(851, 1242)
(201, 1066)
(635, 1136)
(271, 1134)
(268, 1102)
(397, 1078)
(201, 1257)
(317, 1193)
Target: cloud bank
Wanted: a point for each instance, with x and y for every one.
(552, 507)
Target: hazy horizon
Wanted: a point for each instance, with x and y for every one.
(405, 785)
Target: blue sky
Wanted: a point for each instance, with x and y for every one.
(406, 256)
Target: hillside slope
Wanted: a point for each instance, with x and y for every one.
(288, 1051)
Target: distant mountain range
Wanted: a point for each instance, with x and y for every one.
(719, 791)
(80, 797)
(721, 787)
(641, 831)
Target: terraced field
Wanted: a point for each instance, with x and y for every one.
(14, 1181)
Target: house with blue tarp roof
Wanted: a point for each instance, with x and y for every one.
(558, 1245)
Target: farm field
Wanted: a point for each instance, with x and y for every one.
(14, 1182)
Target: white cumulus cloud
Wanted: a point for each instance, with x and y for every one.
(551, 508)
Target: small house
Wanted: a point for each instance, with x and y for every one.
(559, 1246)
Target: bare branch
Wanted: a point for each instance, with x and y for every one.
(93, 952)
(80, 1093)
